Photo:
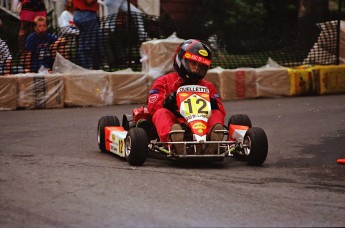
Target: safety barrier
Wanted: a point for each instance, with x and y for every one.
(99, 88)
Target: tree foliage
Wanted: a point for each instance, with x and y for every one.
(234, 23)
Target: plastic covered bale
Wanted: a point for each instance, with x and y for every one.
(8, 93)
(40, 91)
(303, 82)
(91, 89)
(128, 87)
(238, 84)
(157, 55)
(272, 82)
(331, 79)
(213, 76)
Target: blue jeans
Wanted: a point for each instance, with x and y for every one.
(89, 38)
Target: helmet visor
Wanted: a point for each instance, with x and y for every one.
(195, 67)
(196, 64)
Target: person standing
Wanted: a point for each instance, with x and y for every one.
(87, 21)
(113, 7)
(30, 9)
(66, 17)
(66, 20)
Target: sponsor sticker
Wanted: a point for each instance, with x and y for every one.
(199, 126)
(203, 52)
(197, 58)
(153, 98)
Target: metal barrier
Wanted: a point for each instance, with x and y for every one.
(9, 7)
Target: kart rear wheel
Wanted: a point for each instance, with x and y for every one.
(136, 146)
(240, 119)
(255, 146)
(105, 121)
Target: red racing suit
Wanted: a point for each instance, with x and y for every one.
(163, 118)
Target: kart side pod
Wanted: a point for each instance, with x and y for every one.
(115, 140)
(237, 132)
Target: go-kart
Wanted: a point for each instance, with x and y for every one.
(136, 138)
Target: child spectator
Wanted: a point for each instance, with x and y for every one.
(42, 47)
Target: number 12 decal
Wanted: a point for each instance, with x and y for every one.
(193, 103)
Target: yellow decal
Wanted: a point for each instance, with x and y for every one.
(187, 55)
(199, 126)
(121, 146)
(113, 138)
(183, 94)
(203, 52)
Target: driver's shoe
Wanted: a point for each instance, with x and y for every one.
(176, 135)
(214, 136)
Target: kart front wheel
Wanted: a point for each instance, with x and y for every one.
(243, 120)
(240, 119)
(105, 121)
(136, 146)
(255, 146)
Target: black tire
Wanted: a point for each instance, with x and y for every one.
(103, 122)
(136, 146)
(127, 122)
(257, 146)
(244, 120)
(240, 119)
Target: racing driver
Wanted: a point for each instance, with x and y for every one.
(191, 62)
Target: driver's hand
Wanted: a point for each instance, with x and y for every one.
(170, 102)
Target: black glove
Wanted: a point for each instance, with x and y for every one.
(170, 102)
(214, 103)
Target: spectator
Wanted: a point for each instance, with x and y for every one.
(86, 20)
(113, 7)
(42, 47)
(66, 17)
(30, 9)
(191, 62)
(5, 59)
(69, 30)
(66, 21)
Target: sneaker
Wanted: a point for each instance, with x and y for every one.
(214, 136)
(176, 135)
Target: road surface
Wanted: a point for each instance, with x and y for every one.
(52, 173)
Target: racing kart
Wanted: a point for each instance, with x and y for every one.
(136, 138)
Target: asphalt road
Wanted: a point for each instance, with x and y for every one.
(52, 173)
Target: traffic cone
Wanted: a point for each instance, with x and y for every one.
(341, 161)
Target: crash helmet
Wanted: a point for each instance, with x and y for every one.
(192, 60)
